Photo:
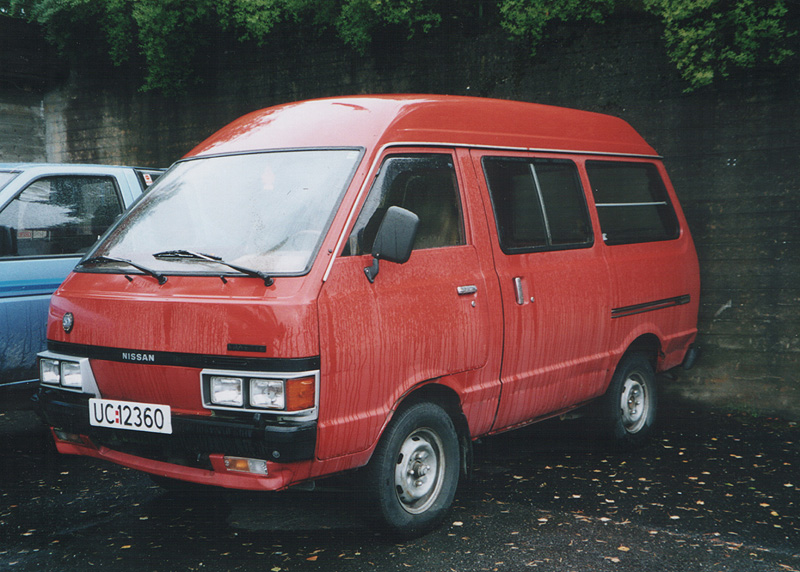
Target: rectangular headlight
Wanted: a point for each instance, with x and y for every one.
(267, 393)
(49, 371)
(71, 374)
(227, 390)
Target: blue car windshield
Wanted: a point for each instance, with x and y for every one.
(263, 211)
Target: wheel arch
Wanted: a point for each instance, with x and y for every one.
(647, 344)
(449, 400)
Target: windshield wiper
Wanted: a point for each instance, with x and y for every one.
(100, 259)
(190, 255)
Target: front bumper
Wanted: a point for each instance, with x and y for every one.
(197, 443)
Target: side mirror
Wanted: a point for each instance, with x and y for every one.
(395, 239)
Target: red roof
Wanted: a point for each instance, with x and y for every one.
(376, 120)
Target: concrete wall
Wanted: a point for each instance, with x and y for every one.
(21, 127)
(28, 67)
(732, 151)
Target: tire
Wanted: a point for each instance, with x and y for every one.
(413, 474)
(628, 409)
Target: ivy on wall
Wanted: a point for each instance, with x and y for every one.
(705, 39)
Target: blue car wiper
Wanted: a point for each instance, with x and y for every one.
(191, 255)
(101, 259)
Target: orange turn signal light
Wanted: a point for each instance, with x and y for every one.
(300, 393)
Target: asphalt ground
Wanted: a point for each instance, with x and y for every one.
(714, 490)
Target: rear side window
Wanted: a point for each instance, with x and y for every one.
(632, 202)
(424, 184)
(58, 215)
(538, 204)
(6, 177)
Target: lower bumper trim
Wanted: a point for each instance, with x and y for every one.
(193, 440)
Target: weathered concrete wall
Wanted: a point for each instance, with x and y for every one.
(21, 127)
(732, 152)
(27, 68)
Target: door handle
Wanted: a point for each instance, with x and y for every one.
(464, 290)
(519, 294)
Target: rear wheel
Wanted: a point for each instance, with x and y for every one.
(628, 410)
(413, 474)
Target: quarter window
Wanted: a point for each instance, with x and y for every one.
(6, 177)
(58, 215)
(632, 202)
(538, 203)
(424, 184)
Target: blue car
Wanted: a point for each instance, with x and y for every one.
(50, 215)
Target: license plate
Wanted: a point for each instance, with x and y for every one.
(130, 415)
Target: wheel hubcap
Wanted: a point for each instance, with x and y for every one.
(419, 469)
(634, 403)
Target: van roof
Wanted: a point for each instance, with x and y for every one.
(377, 120)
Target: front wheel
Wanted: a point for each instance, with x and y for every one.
(628, 409)
(413, 474)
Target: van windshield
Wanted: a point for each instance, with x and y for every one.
(262, 211)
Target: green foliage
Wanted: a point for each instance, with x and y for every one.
(529, 18)
(706, 39)
(359, 20)
(168, 34)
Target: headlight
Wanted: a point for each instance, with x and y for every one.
(227, 391)
(49, 371)
(71, 374)
(267, 393)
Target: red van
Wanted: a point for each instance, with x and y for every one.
(373, 283)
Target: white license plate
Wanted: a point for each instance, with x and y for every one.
(130, 415)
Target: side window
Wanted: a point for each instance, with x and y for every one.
(632, 202)
(538, 203)
(58, 215)
(426, 185)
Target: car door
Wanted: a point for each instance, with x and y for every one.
(426, 319)
(554, 284)
(46, 225)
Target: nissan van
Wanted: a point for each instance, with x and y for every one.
(369, 284)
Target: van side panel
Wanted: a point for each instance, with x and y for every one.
(656, 290)
(556, 307)
(556, 342)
